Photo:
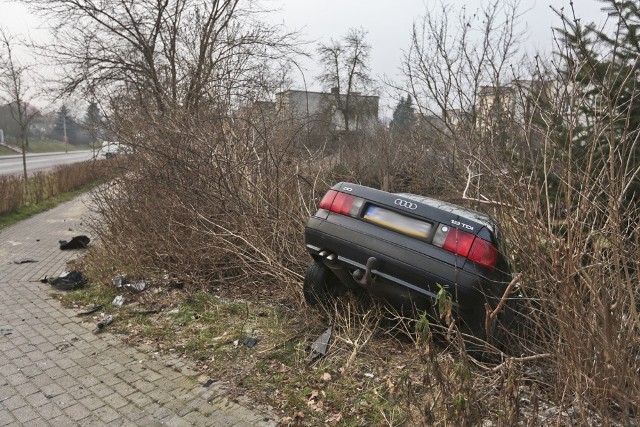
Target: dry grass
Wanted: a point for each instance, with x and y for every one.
(46, 185)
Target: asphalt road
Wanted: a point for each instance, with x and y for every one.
(12, 165)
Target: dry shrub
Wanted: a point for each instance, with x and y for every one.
(44, 185)
(11, 193)
(571, 224)
(71, 177)
(210, 201)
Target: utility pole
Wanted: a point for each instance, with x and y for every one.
(64, 130)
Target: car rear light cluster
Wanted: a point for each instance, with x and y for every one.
(467, 245)
(341, 203)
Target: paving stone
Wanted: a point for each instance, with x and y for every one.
(116, 401)
(14, 402)
(6, 391)
(77, 412)
(106, 414)
(124, 389)
(24, 414)
(5, 417)
(54, 371)
(92, 402)
(49, 411)
(37, 399)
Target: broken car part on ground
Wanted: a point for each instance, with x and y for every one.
(68, 281)
(78, 242)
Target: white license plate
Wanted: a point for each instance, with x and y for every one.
(395, 221)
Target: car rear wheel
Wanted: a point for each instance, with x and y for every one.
(320, 284)
(483, 343)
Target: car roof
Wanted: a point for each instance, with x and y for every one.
(476, 216)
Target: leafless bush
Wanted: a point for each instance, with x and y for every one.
(554, 159)
(45, 185)
(11, 193)
(210, 202)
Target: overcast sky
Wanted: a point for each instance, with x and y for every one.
(388, 24)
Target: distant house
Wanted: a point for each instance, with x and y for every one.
(43, 124)
(331, 111)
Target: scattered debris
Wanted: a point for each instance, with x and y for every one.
(106, 321)
(219, 337)
(78, 242)
(69, 281)
(63, 346)
(122, 282)
(118, 301)
(154, 310)
(6, 330)
(135, 287)
(250, 342)
(24, 261)
(321, 345)
(91, 311)
(119, 281)
(44, 279)
(208, 383)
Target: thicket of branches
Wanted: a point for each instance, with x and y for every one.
(218, 194)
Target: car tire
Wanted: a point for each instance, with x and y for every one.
(483, 344)
(320, 285)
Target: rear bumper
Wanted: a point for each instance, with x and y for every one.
(405, 277)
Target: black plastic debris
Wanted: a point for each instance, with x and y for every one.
(90, 311)
(250, 342)
(102, 324)
(44, 279)
(321, 345)
(24, 261)
(208, 383)
(154, 310)
(69, 281)
(78, 242)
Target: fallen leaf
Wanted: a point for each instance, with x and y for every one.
(333, 419)
(326, 377)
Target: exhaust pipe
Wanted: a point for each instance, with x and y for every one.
(330, 260)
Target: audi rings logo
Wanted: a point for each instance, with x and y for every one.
(405, 204)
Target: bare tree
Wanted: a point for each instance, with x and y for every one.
(456, 58)
(168, 53)
(346, 70)
(16, 91)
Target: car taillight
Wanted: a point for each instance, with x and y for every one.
(484, 253)
(327, 200)
(341, 203)
(467, 245)
(458, 242)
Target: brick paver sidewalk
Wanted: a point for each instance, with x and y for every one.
(55, 371)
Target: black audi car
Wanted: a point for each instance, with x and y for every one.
(404, 248)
